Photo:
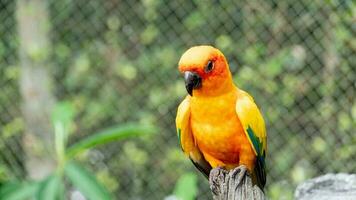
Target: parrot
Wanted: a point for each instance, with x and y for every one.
(219, 124)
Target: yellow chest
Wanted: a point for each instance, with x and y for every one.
(216, 127)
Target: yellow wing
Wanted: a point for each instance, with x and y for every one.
(186, 139)
(255, 130)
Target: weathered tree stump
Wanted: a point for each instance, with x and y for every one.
(235, 184)
(328, 187)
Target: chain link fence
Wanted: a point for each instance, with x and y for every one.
(116, 61)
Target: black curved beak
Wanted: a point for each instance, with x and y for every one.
(192, 81)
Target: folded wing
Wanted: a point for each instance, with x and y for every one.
(255, 130)
(186, 138)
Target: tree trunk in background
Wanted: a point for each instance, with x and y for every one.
(35, 85)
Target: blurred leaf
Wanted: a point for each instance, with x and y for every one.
(86, 182)
(223, 41)
(8, 187)
(194, 20)
(62, 117)
(13, 72)
(345, 121)
(113, 22)
(12, 128)
(37, 52)
(4, 173)
(127, 71)
(63, 113)
(319, 144)
(18, 191)
(108, 135)
(281, 189)
(149, 34)
(186, 187)
(301, 171)
(81, 65)
(108, 180)
(62, 51)
(135, 155)
(274, 65)
(49, 189)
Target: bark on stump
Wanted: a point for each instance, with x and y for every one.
(328, 187)
(233, 185)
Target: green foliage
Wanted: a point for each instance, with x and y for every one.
(86, 182)
(186, 187)
(107, 135)
(62, 117)
(52, 187)
(19, 190)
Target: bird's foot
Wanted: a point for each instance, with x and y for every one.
(239, 173)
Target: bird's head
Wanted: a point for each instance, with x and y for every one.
(206, 71)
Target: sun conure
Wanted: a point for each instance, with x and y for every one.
(218, 124)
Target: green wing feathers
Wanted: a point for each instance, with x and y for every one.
(256, 142)
(255, 130)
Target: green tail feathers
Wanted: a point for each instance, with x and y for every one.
(260, 165)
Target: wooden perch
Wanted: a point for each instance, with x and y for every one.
(235, 184)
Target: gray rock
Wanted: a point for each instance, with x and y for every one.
(328, 187)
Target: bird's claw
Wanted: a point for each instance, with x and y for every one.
(239, 171)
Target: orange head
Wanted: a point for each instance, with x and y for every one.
(206, 72)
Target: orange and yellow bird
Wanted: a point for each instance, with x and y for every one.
(218, 124)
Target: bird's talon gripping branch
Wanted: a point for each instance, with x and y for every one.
(240, 172)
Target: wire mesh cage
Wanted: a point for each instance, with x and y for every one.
(116, 61)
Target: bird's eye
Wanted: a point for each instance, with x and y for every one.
(209, 66)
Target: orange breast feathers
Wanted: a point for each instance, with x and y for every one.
(219, 133)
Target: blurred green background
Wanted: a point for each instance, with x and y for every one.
(115, 62)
